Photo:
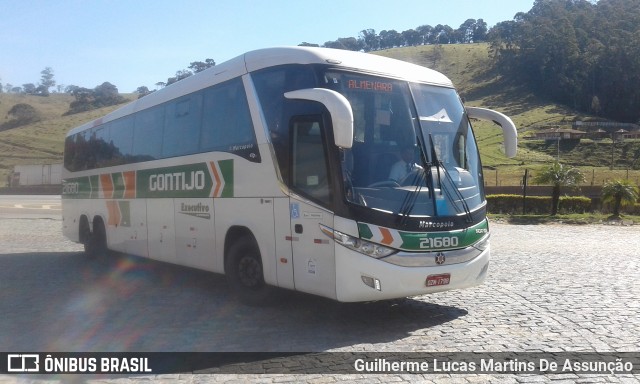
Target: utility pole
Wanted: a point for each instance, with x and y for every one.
(613, 143)
(524, 191)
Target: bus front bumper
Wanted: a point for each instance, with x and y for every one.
(363, 278)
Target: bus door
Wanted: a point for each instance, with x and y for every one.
(313, 252)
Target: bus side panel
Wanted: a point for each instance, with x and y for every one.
(195, 233)
(161, 230)
(283, 257)
(254, 214)
(71, 220)
(126, 225)
(136, 232)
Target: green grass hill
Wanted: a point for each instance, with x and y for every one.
(468, 66)
(41, 142)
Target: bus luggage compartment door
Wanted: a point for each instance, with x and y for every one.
(161, 229)
(195, 233)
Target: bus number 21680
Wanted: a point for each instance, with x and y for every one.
(438, 242)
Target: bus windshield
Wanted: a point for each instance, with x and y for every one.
(414, 153)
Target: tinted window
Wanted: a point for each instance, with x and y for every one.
(121, 139)
(182, 126)
(147, 136)
(69, 152)
(217, 118)
(99, 145)
(226, 119)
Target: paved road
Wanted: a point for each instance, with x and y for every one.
(45, 206)
(551, 288)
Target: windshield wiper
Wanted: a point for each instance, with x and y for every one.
(411, 198)
(439, 164)
(436, 162)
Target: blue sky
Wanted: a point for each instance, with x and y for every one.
(131, 43)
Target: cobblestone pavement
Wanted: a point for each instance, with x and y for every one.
(551, 288)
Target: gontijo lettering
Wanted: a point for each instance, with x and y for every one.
(178, 181)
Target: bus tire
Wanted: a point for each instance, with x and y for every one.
(95, 244)
(243, 267)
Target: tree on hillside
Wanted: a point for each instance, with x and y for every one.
(29, 88)
(480, 31)
(19, 115)
(143, 91)
(443, 34)
(619, 193)
(194, 67)
(425, 32)
(180, 75)
(199, 66)
(107, 94)
(502, 41)
(595, 105)
(370, 40)
(390, 39)
(346, 43)
(86, 99)
(46, 81)
(571, 50)
(411, 37)
(467, 30)
(558, 176)
(70, 88)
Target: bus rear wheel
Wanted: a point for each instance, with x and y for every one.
(243, 267)
(95, 243)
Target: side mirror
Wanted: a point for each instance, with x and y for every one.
(509, 130)
(339, 108)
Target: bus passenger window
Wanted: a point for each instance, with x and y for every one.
(182, 126)
(226, 121)
(147, 136)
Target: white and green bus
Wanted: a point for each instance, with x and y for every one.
(284, 168)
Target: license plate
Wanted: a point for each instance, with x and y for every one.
(435, 280)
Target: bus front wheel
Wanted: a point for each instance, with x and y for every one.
(243, 267)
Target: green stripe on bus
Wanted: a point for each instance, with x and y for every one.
(215, 179)
(118, 185)
(226, 168)
(440, 241)
(424, 241)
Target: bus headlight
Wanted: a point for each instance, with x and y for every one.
(363, 246)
